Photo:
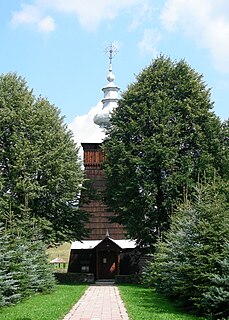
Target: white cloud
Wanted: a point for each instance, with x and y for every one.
(32, 15)
(149, 41)
(28, 14)
(89, 13)
(85, 130)
(205, 21)
(143, 13)
(46, 24)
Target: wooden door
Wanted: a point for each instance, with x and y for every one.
(107, 264)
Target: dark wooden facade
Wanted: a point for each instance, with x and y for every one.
(105, 261)
(105, 253)
(99, 223)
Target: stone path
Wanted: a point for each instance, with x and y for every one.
(100, 302)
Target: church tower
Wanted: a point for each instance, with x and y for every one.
(99, 223)
(105, 254)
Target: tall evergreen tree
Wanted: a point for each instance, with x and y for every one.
(39, 163)
(9, 287)
(162, 137)
(191, 264)
(216, 299)
(24, 267)
(41, 277)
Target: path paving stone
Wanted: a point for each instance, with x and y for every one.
(99, 303)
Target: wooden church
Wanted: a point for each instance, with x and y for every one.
(106, 252)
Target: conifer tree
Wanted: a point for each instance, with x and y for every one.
(29, 263)
(24, 267)
(9, 288)
(216, 300)
(163, 136)
(191, 264)
(41, 277)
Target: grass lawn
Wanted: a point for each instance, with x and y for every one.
(144, 304)
(51, 306)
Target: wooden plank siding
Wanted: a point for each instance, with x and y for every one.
(99, 212)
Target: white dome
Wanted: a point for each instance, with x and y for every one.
(110, 101)
(111, 76)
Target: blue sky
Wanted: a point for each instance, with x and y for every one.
(58, 47)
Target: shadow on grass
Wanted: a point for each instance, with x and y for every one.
(144, 303)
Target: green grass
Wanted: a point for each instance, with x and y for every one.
(51, 306)
(141, 303)
(144, 304)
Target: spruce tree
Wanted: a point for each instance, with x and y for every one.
(41, 276)
(190, 265)
(216, 300)
(29, 264)
(9, 287)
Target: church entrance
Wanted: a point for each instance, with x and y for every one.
(107, 264)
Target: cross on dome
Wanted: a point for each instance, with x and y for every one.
(111, 52)
(110, 100)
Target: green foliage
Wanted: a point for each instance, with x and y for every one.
(40, 180)
(217, 296)
(24, 268)
(40, 169)
(42, 279)
(162, 136)
(31, 267)
(9, 288)
(191, 265)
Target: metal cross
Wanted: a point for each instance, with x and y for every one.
(111, 51)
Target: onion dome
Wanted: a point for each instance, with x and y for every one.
(110, 100)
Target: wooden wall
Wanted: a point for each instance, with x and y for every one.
(100, 213)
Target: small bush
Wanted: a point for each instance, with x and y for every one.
(74, 278)
(130, 278)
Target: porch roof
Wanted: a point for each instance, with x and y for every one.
(91, 244)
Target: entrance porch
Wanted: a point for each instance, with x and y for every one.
(104, 258)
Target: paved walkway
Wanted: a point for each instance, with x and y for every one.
(100, 302)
